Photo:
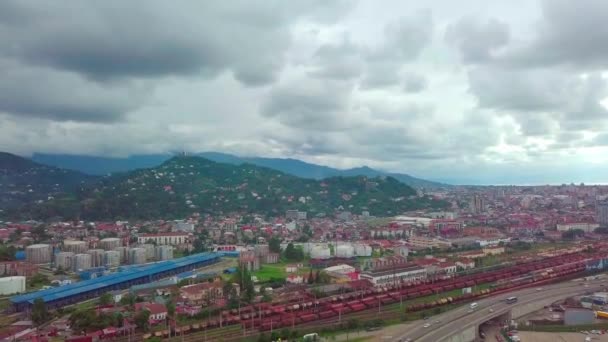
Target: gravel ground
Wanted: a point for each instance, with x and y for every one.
(528, 336)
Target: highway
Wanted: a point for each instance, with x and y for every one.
(460, 318)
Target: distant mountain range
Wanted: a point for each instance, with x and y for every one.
(183, 185)
(106, 165)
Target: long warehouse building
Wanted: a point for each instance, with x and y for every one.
(73, 293)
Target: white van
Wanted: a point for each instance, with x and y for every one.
(473, 305)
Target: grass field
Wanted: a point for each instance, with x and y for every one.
(270, 271)
(277, 271)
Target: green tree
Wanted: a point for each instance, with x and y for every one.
(293, 254)
(274, 245)
(199, 244)
(105, 299)
(7, 253)
(170, 308)
(84, 320)
(353, 324)
(142, 319)
(247, 287)
(128, 299)
(39, 312)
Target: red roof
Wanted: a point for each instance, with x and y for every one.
(154, 308)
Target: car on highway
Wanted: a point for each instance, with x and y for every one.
(427, 325)
(438, 321)
(539, 289)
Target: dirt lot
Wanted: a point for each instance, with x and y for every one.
(528, 336)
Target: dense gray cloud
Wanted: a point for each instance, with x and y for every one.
(569, 33)
(406, 37)
(156, 38)
(414, 83)
(477, 40)
(45, 93)
(315, 105)
(439, 90)
(341, 61)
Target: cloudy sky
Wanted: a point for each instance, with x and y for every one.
(469, 91)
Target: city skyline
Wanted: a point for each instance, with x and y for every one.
(471, 93)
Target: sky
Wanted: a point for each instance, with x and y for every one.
(470, 91)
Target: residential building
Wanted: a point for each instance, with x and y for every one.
(428, 242)
(465, 263)
(602, 213)
(477, 205)
(291, 268)
(203, 293)
(295, 279)
(586, 227)
(158, 312)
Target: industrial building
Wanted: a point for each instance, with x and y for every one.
(402, 274)
(171, 238)
(12, 285)
(74, 246)
(76, 292)
(38, 254)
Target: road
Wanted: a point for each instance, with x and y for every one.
(461, 318)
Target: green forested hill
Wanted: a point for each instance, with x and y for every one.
(185, 185)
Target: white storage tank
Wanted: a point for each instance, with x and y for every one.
(149, 250)
(64, 260)
(345, 251)
(163, 253)
(74, 246)
(38, 254)
(137, 256)
(363, 250)
(109, 244)
(111, 258)
(124, 254)
(12, 285)
(320, 252)
(82, 262)
(96, 257)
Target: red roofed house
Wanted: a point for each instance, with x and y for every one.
(158, 312)
(465, 263)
